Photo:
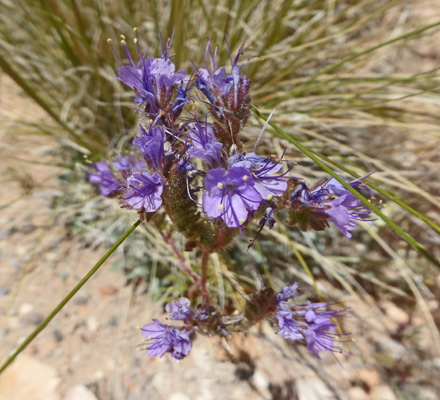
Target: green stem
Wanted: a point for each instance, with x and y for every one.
(305, 150)
(59, 307)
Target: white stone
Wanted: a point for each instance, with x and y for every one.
(79, 392)
(92, 324)
(312, 388)
(25, 308)
(357, 393)
(178, 396)
(383, 392)
(29, 379)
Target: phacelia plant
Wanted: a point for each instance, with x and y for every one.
(189, 164)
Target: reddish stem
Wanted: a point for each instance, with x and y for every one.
(205, 257)
(182, 261)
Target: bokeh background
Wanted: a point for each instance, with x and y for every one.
(357, 81)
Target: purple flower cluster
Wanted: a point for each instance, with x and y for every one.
(311, 322)
(162, 338)
(182, 154)
(192, 169)
(152, 80)
(330, 201)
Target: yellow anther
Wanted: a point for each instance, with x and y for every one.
(221, 206)
(135, 29)
(220, 185)
(123, 37)
(141, 184)
(242, 220)
(135, 40)
(123, 42)
(151, 121)
(84, 155)
(245, 178)
(270, 197)
(109, 40)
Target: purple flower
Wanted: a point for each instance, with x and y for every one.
(161, 339)
(153, 79)
(289, 328)
(108, 183)
(316, 206)
(322, 337)
(342, 215)
(158, 80)
(288, 293)
(247, 161)
(130, 74)
(212, 83)
(128, 163)
(336, 188)
(221, 89)
(184, 165)
(151, 145)
(144, 191)
(263, 170)
(311, 322)
(181, 99)
(230, 195)
(204, 144)
(268, 185)
(180, 310)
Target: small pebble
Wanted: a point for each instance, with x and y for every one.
(58, 336)
(27, 228)
(25, 308)
(4, 330)
(7, 232)
(81, 300)
(4, 291)
(108, 290)
(64, 275)
(35, 318)
(113, 321)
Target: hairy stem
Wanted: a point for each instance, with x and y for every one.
(59, 307)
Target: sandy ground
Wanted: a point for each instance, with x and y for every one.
(89, 350)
